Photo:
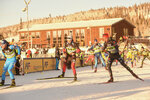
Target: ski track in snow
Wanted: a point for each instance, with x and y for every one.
(126, 86)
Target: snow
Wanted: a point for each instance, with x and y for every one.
(125, 87)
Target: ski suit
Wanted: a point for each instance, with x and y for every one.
(70, 50)
(10, 55)
(145, 54)
(97, 53)
(130, 56)
(91, 56)
(112, 47)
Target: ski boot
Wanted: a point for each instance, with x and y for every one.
(62, 75)
(110, 80)
(141, 67)
(2, 83)
(13, 84)
(95, 70)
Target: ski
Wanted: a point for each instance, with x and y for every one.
(4, 85)
(107, 82)
(7, 87)
(140, 79)
(53, 78)
(74, 81)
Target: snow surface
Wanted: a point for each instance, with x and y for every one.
(126, 86)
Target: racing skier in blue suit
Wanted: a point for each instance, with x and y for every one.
(9, 53)
(97, 47)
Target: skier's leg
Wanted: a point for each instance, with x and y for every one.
(132, 63)
(73, 69)
(81, 62)
(144, 57)
(132, 60)
(57, 63)
(87, 59)
(11, 66)
(110, 61)
(96, 62)
(92, 60)
(135, 60)
(127, 67)
(102, 60)
(63, 70)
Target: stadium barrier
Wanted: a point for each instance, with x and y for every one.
(49, 64)
(32, 65)
(42, 64)
(38, 64)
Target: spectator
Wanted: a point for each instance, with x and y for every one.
(57, 56)
(29, 54)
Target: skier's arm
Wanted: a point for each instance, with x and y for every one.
(105, 46)
(78, 50)
(19, 51)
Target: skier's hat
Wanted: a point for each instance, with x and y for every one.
(105, 35)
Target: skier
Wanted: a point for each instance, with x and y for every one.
(9, 53)
(145, 54)
(112, 47)
(130, 56)
(105, 56)
(82, 54)
(57, 56)
(97, 47)
(90, 56)
(70, 50)
(81, 57)
(135, 51)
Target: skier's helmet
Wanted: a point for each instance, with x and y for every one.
(4, 42)
(95, 40)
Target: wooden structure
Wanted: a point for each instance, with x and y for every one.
(48, 35)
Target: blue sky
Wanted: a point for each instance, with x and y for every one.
(11, 10)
